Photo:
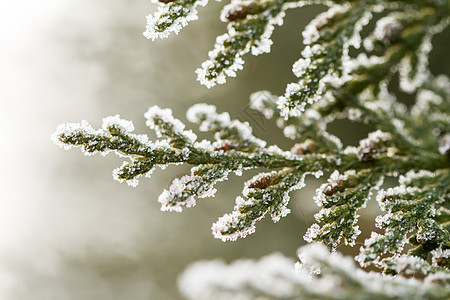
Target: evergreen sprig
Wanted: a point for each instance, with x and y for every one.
(411, 143)
(317, 275)
(412, 210)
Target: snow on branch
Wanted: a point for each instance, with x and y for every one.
(171, 16)
(250, 27)
(408, 142)
(317, 275)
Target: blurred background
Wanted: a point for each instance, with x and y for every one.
(67, 230)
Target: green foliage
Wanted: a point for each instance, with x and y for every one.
(411, 143)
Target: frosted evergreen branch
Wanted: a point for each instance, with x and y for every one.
(250, 26)
(409, 265)
(327, 39)
(200, 184)
(371, 75)
(165, 125)
(340, 199)
(387, 116)
(266, 193)
(213, 161)
(174, 15)
(411, 209)
(410, 142)
(321, 67)
(171, 16)
(413, 31)
(431, 111)
(317, 275)
(115, 137)
(415, 28)
(441, 87)
(310, 127)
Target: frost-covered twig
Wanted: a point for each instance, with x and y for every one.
(171, 16)
(411, 210)
(235, 149)
(408, 142)
(317, 275)
(250, 26)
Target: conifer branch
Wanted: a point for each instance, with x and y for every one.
(171, 16)
(235, 149)
(317, 275)
(411, 143)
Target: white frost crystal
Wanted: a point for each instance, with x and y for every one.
(272, 190)
(263, 101)
(312, 232)
(215, 70)
(221, 124)
(215, 280)
(176, 189)
(125, 125)
(411, 143)
(225, 222)
(171, 17)
(444, 147)
(170, 125)
(200, 184)
(69, 129)
(318, 273)
(410, 265)
(438, 255)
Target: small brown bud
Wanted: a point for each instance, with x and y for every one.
(442, 261)
(421, 239)
(334, 187)
(366, 151)
(237, 13)
(262, 182)
(339, 186)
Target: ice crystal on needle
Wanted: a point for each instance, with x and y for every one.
(408, 142)
(171, 16)
(340, 199)
(266, 193)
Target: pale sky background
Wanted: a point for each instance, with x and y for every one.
(67, 230)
